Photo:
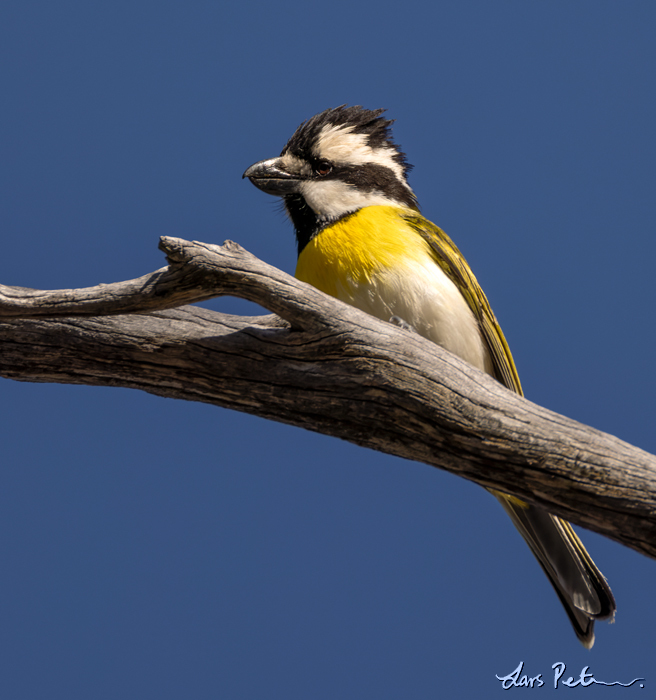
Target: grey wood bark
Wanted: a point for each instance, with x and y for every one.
(325, 366)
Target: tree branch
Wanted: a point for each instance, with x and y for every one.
(323, 365)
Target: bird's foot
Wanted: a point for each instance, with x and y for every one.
(398, 321)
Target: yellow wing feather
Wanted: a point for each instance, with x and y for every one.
(453, 264)
(579, 584)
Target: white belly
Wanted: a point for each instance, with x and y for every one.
(423, 296)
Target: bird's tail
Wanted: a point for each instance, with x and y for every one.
(578, 582)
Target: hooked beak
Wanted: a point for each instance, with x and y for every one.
(271, 177)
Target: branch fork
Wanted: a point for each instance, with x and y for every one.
(318, 363)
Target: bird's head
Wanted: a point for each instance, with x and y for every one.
(337, 162)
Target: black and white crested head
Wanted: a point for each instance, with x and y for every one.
(337, 162)
(349, 135)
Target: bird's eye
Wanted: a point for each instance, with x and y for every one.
(322, 168)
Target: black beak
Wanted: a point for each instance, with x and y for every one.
(271, 177)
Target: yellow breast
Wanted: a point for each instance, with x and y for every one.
(377, 262)
(353, 250)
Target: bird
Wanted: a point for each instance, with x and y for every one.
(362, 239)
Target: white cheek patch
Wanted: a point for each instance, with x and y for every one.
(330, 199)
(339, 145)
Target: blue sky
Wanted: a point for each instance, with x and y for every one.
(151, 548)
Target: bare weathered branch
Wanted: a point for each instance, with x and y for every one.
(325, 366)
(196, 272)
